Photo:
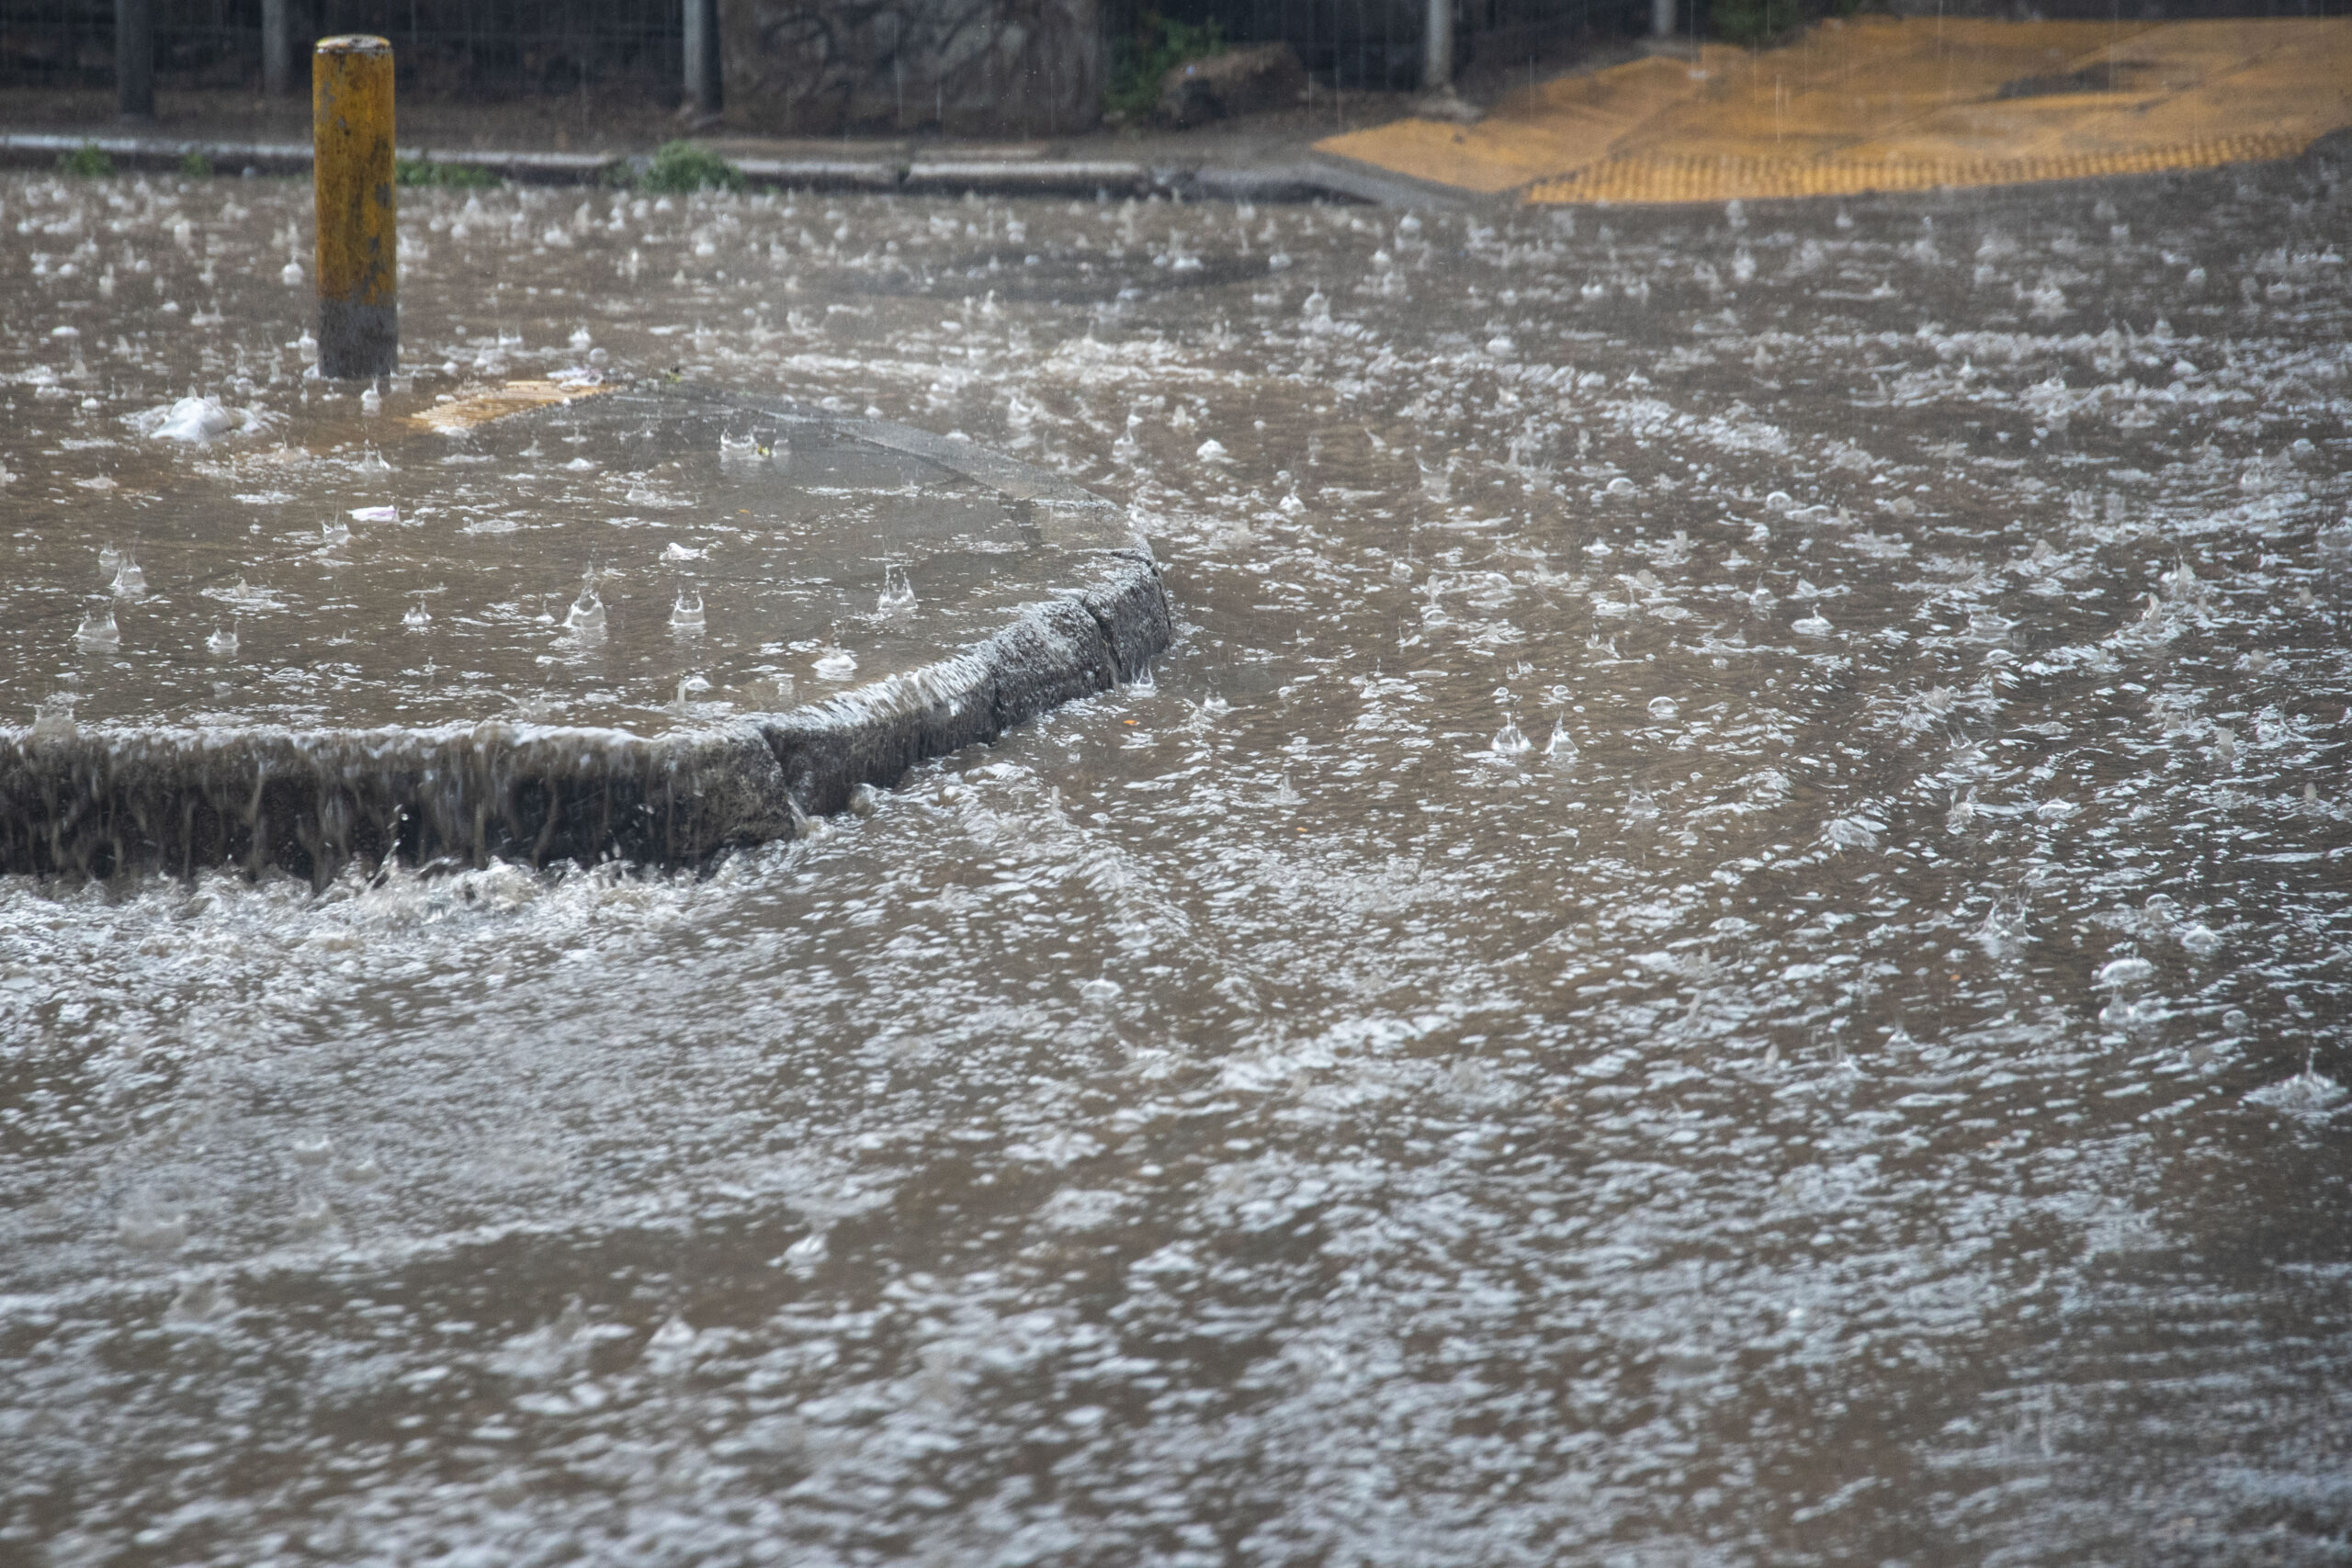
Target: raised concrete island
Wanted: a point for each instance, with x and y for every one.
(551, 622)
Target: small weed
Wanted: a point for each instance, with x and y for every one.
(454, 176)
(1753, 23)
(681, 166)
(87, 162)
(194, 165)
(1145, 57)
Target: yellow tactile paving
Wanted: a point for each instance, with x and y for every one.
(1886, 103)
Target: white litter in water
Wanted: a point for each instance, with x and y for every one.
(196, 420)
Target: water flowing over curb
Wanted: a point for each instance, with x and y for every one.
(308, 802)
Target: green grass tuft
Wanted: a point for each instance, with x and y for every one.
(432, 171)
(1753, 23)
(194, 165)
(1140, 62)
(681, 166)
(88, 161)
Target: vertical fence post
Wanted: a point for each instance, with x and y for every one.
(277, 50)
(1437, 48)
(134, 58)
(702, 59)
(351, 128)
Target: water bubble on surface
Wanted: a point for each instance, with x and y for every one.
(148, 1224)
(1850, 833)
(371, 400)
(388, 513)
(2309, 1093)
(313, 1215)
(897, 590)
(202, 1303)
(835, 664)
(418, 617)
(130, 582)
(1511, 741)
(686, 615)
(1560, 749)
(99, 629)
(222, 643)
(586, 616)
(2200, 939)
(290, 274)
(1663, 708)
(335, 532)
(110, 560)
(53, 718)
(805, 1257)
(1814, 625)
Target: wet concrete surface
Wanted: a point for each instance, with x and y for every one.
(1722, 939)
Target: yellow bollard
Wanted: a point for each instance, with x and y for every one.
(351, 128)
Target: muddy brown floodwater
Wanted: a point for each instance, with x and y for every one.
(1724, 938)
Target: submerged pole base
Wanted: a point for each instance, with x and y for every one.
(357, 342)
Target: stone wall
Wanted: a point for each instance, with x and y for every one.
(999, 68)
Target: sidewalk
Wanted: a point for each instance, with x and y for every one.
(1267, 157)
(1879, 103)
(1875, 104)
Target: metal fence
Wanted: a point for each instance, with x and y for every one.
(1376, 44)
(453, 45)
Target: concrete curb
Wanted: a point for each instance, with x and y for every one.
(310, 803)
(1285, 183)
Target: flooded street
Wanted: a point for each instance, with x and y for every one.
(1724, 938)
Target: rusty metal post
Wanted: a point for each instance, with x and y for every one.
(702, 60)
(351, 128)
(134, 58)
(1437, 47)
(277, 50)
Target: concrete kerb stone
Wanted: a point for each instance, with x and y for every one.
(310, 803)
(1082, 177)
